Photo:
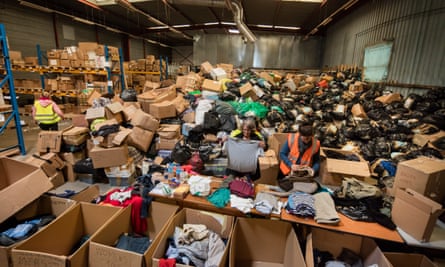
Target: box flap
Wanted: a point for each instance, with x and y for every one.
(115, 107)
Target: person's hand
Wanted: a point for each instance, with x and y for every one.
(224, 138)
(262, 144)
(295, 167)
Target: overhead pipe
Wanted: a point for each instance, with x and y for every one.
(235, 7)
(238, 17)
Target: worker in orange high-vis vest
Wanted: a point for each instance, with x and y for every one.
(46, 113)
(301, 149)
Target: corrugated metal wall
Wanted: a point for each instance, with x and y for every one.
(416, 28)
(286, 52)
(26, 28)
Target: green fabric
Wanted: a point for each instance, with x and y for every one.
(220, 198)
(258, 109)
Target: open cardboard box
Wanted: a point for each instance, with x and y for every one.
(54, 245)
(218, 223)
(333, 170)
(334, 242)
(102, 247)
(408, 260)
(45, 205)
(259, 242)
(415, 214)
(20, 184)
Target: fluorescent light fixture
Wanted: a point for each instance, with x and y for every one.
(182, 26)
(157, 27)
(287, 28)
(36, 7)
(89, 22)
(264, 26)
(234, 31)
(211, 23)
(228, 23)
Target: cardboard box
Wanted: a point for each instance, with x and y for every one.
(424, 175)
(95, 113)
(102, 250)
(163, 110)
(408, 260)
(218, 223)
(211, 85)
(65, 233)
(79, 120)
(423, 139)
(415, 214)
(93, 95)
(20, 184)
(269, 167)
(50, 163)
(75, 136)
(218, 74)
(333, 170)
(45, 205)
(49, 141)
(275, 141)
(124, 170)
(206, 67)
(334, 242)
(129, 112)
(358, 111)
(247, 90)
(389, 98)
(57, 179)
(169, 131)
(259, 242)
(156, 96)
(140, 138)
(167, 144)
(145, 121)
(114, 111)
(107, 157)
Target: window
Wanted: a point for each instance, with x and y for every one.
(376, 62)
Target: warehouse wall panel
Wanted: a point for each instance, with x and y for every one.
(24, 32)
(415, 27)
(136, 49)
(269, 51)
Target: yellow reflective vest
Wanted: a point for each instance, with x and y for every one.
(45, 115)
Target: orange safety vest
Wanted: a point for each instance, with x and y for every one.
(45, 115)
(294, 153)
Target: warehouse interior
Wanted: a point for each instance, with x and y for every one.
(152, 92)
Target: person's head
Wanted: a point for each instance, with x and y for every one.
(248, 127)
(45, 94)
(306, 132)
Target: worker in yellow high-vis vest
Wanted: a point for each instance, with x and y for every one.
(46, 113)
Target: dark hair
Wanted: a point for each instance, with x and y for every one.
(306, 130)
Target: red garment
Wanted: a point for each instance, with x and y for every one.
(167, 262)
(139, 224)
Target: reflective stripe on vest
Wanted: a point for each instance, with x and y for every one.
(294, 153)
(45, 115)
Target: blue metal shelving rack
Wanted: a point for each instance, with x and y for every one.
(8, 78)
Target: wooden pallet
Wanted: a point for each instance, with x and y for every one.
(5, 108)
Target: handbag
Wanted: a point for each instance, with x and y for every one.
(242, 188)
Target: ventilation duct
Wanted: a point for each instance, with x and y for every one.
(237, 12)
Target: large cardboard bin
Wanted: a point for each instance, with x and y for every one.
(259, 242)
(218, 223)
(45, 205)
(20, 184)
(408, 260)
(334, 242)
(415, 214)
(102, 250)
(333, 170)
(59, 244)
(424, 175)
